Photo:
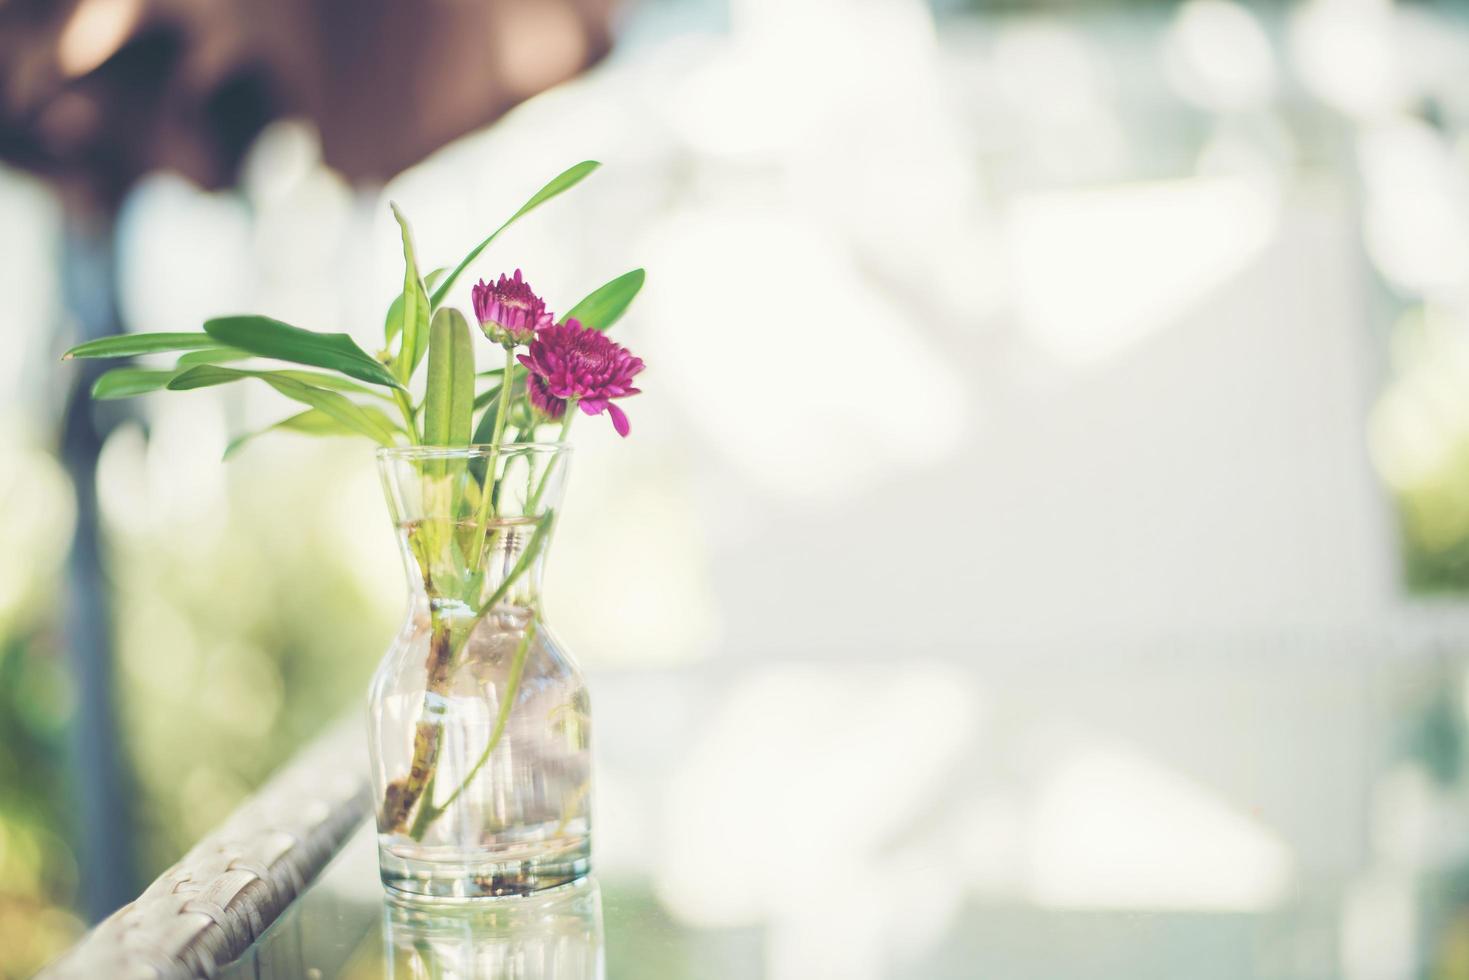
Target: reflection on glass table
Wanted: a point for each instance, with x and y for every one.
(1254, 811)
(346, 926)
(551, 935)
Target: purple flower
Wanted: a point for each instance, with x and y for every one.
(568, 361)
(509, 310)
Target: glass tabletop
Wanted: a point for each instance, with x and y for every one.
(1273, 817)
(347, 926)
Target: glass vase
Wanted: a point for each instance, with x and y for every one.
(478, 717)
(553, 935)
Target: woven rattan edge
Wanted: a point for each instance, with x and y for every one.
(206, 910)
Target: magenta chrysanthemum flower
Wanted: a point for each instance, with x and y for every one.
(569, 361)
(509, 309)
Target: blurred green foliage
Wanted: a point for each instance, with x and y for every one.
(238, 641)
(38, 874)
(1419, 435)
(248, 616)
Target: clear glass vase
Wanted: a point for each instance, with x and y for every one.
(479, 722)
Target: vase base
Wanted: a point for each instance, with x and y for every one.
(433, 874)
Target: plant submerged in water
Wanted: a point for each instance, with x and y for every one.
(480, 539)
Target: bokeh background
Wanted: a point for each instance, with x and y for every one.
(1051, 489)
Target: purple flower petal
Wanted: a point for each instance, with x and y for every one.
(619, 420)
(509, 309)
(567, 360)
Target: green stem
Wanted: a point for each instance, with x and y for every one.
(486, 494)
(504, 411)
(427, 811)
(532, 548)
(530, 506)
(570, 809)
(430, 811)
(402, 794)
(406, 407)
(528, 434)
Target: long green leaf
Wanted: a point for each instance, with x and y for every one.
(360, 418)
(606, 304)
(313, 421)
(487, 396)
(563, 181)
(207, 376)
(413, 308)
(216, 355)
(129, 344)
(364, 419)
(393, 322)
(334, 382)
(126, 382)
(448, 412)
(265, 337)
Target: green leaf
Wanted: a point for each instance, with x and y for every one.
(127, 382)
(485, 397)
(529, 427)
(216, 355)
(129, 344)
(313, 422)
(393, 322)
(332, 381)
(264, 337)
(206, 376)
(485, 431)
(316, 379)
(606, 305)
(563, 181)
(413, 308)
(448, 411)
(362, 419)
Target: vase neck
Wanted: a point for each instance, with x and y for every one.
(458, 568)
(474, 523)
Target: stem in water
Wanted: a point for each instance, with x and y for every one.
(404, 792)
(429, 812)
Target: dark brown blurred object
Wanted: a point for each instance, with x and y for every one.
(96, 93)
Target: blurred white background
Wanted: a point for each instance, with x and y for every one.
(1055, 435)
